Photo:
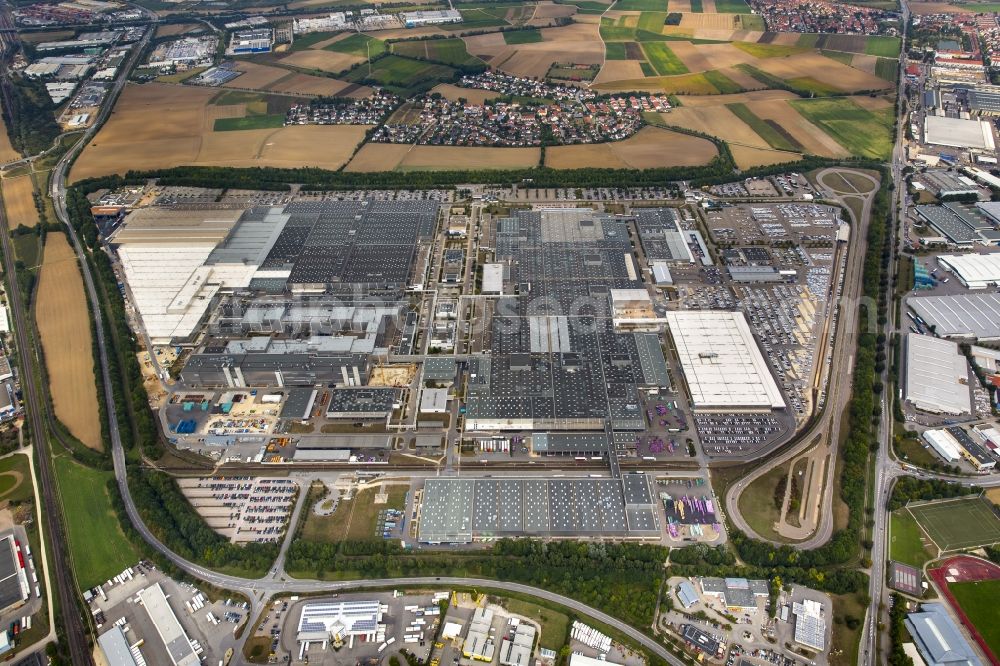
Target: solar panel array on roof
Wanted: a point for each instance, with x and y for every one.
(460, 510)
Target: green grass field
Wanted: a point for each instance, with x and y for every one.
(722, 83)
(354, 519)
(587, 6)
(979, 602)
(757, 502)
(306, 41)
(529, 36)
(811, 86)
(961, 523)
(886, 47)
(775, 135)
(984, 7)
(768, 50)
(615, 51)
(751, 22)
(11, 490)
(839, 56)
(248, 123)
(476, 18)
(906, 543)
(448, 51)
(397, 71)
(697, 7)
(555, 625)
(652, 21)
(647, 69)
(887, 69)
(615, 33)
(359, 45)
(663, 60)
(641, 5)
(807, 40)
(731, 7)
(97, 544)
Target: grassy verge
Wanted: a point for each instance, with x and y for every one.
(757, 503)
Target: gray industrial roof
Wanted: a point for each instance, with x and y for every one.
(938, 638)
(10, 588)
(961, 315)
(953, 227)
(440, 368)
(116, 648)
(459, 510)
(299, 403)
(936, 375)
(971, 446)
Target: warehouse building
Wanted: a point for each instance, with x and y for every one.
(738, 594)
(937, 376)
(256, 40)
(945, 184)
(338, 621)
(465, 510)
(958, 133)
(362, 404)
(430, 17)
(220, 370)
(116, 648)
(975, 271)
(984, 99)
(174, 638)
(13, 578)
(943, 444)
(938, 638)
(686, 594)
(515, 648)
(493, 279)
(810, 625)
(479, 643)
(975, 453)
(723, 366)
(951, 225)
(967, 316)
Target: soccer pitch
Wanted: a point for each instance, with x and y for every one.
(953, 524)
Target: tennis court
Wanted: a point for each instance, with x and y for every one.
(953, 524)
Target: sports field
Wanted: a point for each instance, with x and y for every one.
(958, 523)
(978, 600)
(907, 544)
(64, 327)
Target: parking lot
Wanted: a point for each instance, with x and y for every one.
(243, 508)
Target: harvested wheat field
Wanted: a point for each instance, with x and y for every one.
(616, 70)
(174, 29)
(255, 77)
(19, 202)
(473, 95)
(327, 61)
(736, 98)
(872, 103)
(7, 152)
(703, 57)
(486, 46)
(157, 126)
(404, 157)
(309, 85)
(742, 79)
(680, 6)
(548, 10)
(709, 21)
(924, 8)
(822, 69)
(578, 43)
(812, 139)
(649, 148)
(689, 84)
(747, 157)
(64, 328)
(865, 63)
(717, 121)
(332, 40)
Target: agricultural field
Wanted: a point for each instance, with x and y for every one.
(307, 59)
(64, 328)
(448, 51)
(522, 36)
(862, 132)
(578, 43)
(649, 148)
(774, 134)
(358, 45)
(98, 547)
(401, 72)
(455, 93)
(19, 202)
(663, 60)
(159, 126)
(7, 152)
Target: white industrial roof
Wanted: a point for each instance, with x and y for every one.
(960, 315)
(493, 279)
(170, 630)
(434, 400)
(958, 132)
(936, 375)
(722, 364)
(976, 271)
(944, 443)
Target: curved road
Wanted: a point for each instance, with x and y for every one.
(839, 384)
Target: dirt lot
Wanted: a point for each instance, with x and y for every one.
(450, 92)
(388, 157)
(651, 147)
(327, 61)
(157, 126)
(18, 202)
(747, 157)
(64, 327)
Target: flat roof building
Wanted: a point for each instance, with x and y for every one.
(936, 376)
(958, 133)
(117, 651)
(362, 403)
(434, 400)
(975, 453)
(339, 620)
(13, 579)
(904, 578)
(174, 638)
(810, 626)
(515, 648)
(492, 279)
(686, 594)
(968, 316)
(479, 643)
(939, 639)
(737, 594)
(723, 366)
(430, 17)
(943, 444)
(975, 271)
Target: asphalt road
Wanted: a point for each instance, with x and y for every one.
(827, 426)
